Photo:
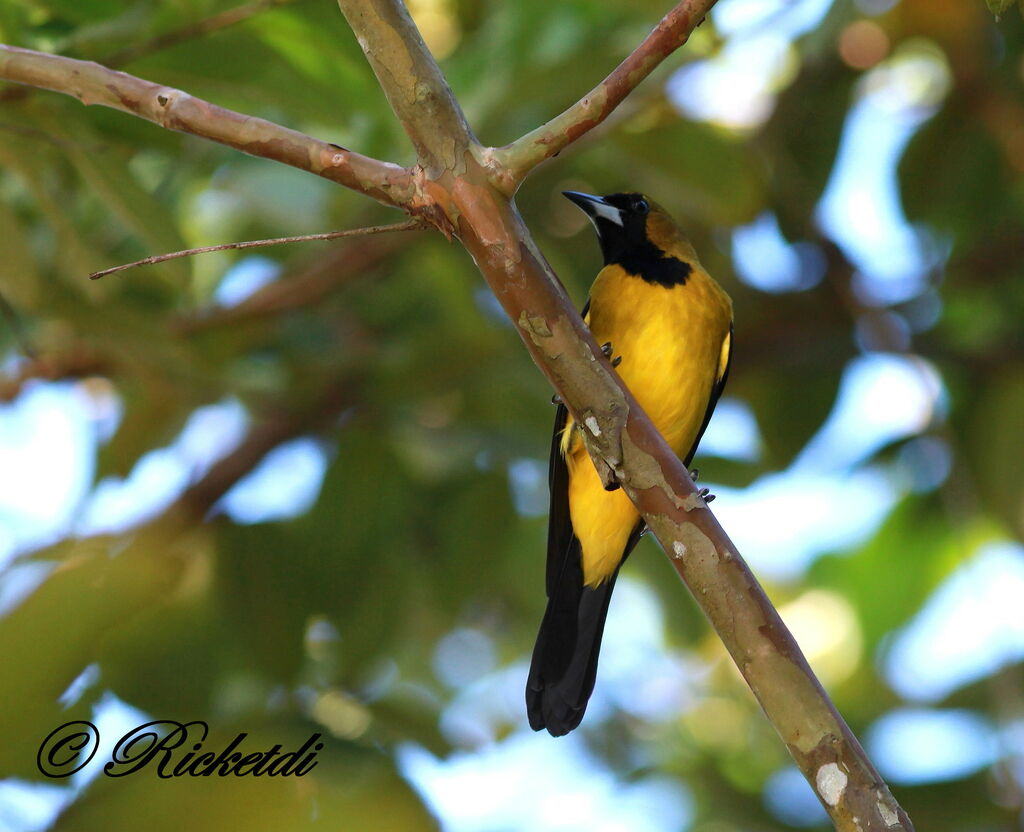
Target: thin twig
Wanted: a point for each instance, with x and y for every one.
(408, 225)
(303, 286)
(549, 139)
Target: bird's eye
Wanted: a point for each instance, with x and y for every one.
(642, 206)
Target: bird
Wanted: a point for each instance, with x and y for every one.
(669, 326)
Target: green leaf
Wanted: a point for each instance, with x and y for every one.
(952, 175)
(891, 575)
(691, 167)
(94, 590)
(997, 7)
(351, 560)
(802, 140)
(70, 250)
(115, 188)
(774, 392)
(172, 657)
(19, 276)
(267, 582)
(153, 416)
(81, 12)
(995, 428)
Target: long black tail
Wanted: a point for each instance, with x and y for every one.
(565, 657)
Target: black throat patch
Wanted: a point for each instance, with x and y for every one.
(650, 263)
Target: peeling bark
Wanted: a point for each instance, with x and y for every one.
(465, 190)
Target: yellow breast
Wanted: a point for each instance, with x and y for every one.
(671, 343)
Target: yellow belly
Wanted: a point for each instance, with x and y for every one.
(671, 342)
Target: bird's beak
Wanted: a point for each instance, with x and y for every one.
(594, 206)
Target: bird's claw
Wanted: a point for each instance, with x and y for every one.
(706, 495)
(695, 474)
(606, 348)
(556, 399)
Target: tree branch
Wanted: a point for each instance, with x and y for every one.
(279, 425)
(619, 434)
(76, 362)
(624, 439)
(176, 110)
(524, 154)
(408, 225)
(412, 82)
(472, 186)
(306, 285)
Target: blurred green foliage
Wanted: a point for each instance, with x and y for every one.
(415, 531)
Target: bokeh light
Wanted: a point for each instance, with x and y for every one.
(869, 326)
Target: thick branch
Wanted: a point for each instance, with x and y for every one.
(548, 140)
(621, 436)
(177, 110)
(654, 478)
(412, 82)
(471, 187)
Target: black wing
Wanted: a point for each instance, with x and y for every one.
(716, 393)
(564, 664)
(560, 532)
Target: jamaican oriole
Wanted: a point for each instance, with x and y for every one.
(670, 326)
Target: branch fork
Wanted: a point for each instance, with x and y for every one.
(465, 190)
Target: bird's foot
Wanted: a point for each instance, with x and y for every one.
(606, 348)
(706, 494)
(556, 399)
(695, 474)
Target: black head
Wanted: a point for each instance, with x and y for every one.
(638, 235)
(620, 220)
